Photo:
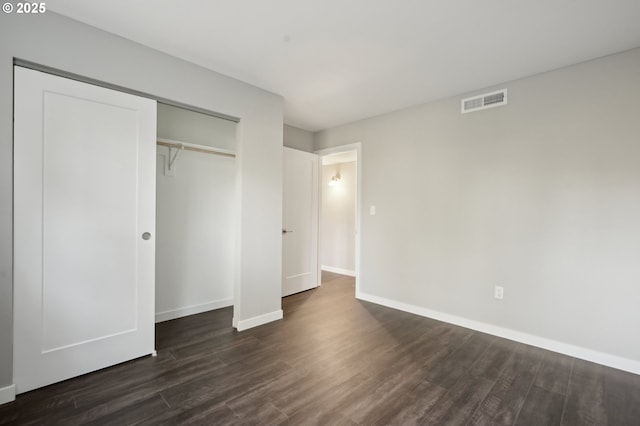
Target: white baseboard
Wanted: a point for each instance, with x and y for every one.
(340, 271)
(259, 320)
(7, 394)
(609, 360)
(193, 309)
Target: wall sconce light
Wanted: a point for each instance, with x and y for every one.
(335, 179)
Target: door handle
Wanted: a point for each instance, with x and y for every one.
(146, 236)
(286, 231)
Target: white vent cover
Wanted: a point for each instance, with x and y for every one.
(488, 100)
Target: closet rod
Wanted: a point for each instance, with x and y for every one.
(193, 148)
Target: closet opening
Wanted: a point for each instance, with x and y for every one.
(195, 212)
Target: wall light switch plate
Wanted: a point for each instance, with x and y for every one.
(372, 210)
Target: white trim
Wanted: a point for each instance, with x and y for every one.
(7, 394)
(609, 360)
(259, 320)
(193, 309)
(341, 271)
(342, 148)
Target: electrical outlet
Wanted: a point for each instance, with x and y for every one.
(498, 292)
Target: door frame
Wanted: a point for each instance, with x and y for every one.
(357, 146)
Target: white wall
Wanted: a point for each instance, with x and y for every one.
(541, 196)
(61, 43)
(195, 216)
(338, 219)
(298, 138)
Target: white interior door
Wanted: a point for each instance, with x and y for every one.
(84, 188)
(300, 222)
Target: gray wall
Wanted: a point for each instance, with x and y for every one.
(61, 43)
(338, 217)
(298, 139)
(541, 196)
(193, 127)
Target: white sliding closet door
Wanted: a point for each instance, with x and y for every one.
(84, 185)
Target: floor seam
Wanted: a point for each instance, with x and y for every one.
(566, 398)
(165, 400)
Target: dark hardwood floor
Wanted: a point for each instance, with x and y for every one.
(334, 360)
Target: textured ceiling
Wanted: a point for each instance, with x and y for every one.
(339, 61)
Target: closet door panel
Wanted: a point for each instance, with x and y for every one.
(89, 211)
(84, 195)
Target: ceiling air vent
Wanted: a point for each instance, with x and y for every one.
(488, 100)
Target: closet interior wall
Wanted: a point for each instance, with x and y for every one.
(195, 215)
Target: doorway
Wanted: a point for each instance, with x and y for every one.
(85, 223)
(339, 236)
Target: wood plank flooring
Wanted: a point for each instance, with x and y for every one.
(334, 360)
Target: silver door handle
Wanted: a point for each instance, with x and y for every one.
(286, 231)
(146, 236)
